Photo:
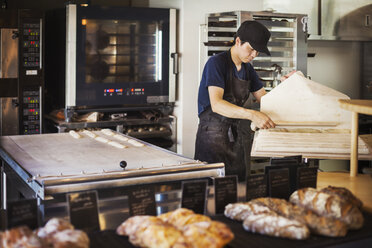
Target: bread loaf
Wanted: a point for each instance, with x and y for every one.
(150, 231)
(328, 205)
(320, 225)
(275, 225)
(239, 211)
(344, 194)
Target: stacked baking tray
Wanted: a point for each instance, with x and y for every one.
(287, 44)
(49, 166)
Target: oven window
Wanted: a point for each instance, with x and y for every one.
(120, 51)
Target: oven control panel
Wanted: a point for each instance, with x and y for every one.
(31, 112)
(31, 44)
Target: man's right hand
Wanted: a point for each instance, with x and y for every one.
(262, 121)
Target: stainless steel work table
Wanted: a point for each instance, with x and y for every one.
(47, 166)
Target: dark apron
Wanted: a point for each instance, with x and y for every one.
(223, 139)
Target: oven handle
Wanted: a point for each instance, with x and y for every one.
(175, 62)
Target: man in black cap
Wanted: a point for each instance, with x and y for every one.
(227, 80)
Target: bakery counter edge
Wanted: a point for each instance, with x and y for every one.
(360, 186)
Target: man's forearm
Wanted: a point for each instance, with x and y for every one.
(230, 110)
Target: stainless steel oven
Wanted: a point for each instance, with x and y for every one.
(110, 57)
(21, 71)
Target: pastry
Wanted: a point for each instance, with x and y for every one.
(179, 228)
(20, 237)
(53, 226)
(211, 234)
(150, 231)
(182, 216)
(70, 239)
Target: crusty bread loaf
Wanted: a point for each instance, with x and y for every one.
(211, 234)
(150, 231)
(275, 225)
(328, 205)
(320, 225)
(344, 194)
(239, 211)
(20, 237)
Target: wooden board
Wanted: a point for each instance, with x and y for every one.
(367, 138)
(356, 105)
(314, 145)
(301, 100)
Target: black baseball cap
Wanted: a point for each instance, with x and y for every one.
(256, 34)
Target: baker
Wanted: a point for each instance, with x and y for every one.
(227, 80)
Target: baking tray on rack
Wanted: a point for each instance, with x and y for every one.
(357, 238)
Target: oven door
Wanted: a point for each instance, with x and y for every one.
(122, 56)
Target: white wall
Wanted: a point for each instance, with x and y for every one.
(337, 65)
(192, 13)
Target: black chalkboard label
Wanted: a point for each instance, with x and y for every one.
(279, 183)
(289, 160)
(292, 167)
(194, 195)
(256, 186)
(22, 212)
(142, 201)
(307, 177)
(225, 192)
(83, 210)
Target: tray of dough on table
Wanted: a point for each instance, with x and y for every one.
(309, 122)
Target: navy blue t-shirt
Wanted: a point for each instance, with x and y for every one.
(216, 73)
